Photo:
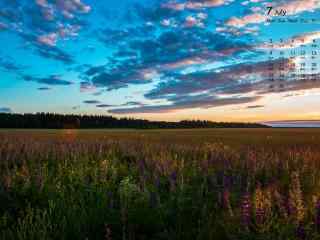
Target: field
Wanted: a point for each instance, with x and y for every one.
(160, 184)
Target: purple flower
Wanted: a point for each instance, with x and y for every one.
(245, 210)
(227, 181)
(173, 180)
(157, 182)
(226, 202)
(300, 232)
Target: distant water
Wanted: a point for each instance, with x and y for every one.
(294, 124)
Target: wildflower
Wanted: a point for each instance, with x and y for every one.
(259, 205)
(245, 210)
(262, 205)
(226, 202)
(280, 204)
(226, 195)
(295, 199)
(157, 182)
(300, 232)
(173, 180)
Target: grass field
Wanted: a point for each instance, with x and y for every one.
(160, 184)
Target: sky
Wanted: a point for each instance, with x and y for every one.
(162, 59)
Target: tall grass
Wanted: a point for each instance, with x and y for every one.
(139, 188)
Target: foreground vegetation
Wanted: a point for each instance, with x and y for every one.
(169, 184)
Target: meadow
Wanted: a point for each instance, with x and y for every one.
(160, 184)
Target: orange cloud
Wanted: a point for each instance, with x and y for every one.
(48, 39)
(249, 19)
(297, 6)
(194, 4)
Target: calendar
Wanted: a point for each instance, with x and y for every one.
(293, 60)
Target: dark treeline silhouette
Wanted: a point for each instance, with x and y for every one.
(59, 121)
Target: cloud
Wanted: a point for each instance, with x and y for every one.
(237, 84)
(3, 26)
(132, 103)
(54, 80)
(67, 8)
(70, 6)
(292, 7)
(9, 65)
(44, 88)
(48, 39)
(237, 31)
(120, 76)
(155, 13)
(143, 60)
(55, 54)
(5, 110)
(193, 4)
(43, 23)
(249, 19)
(104, 106)
(192, 21)
(255, 106)
(51, 39)
(298, 6)
(199, 102)
(231, 80)
(91, 101)
(294, 123)
(164, 45)
(117, 79)
(87, 87)
(47, 50)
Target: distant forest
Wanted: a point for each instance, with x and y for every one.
(59, 121)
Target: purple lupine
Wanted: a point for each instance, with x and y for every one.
(226, 194)
(141, 166)
(142, 183)
(157, 182)
(227, 181)
(226, 202)
(245, 210)
(173, 180)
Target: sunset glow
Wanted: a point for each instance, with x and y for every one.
(159, 60)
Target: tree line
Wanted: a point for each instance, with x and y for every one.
(60, 121)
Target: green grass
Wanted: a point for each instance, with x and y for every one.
(160, 184)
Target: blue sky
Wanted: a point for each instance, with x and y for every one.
(165, 60)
